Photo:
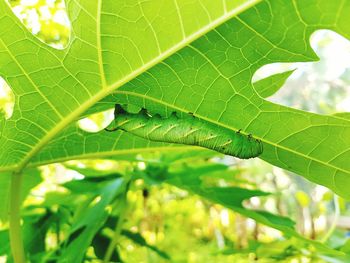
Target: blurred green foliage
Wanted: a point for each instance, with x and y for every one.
(159, 211)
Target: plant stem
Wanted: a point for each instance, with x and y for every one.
(335, 219)
(123, 205)
(118, 229)
(16, 242)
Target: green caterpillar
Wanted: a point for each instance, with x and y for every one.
(189, 130)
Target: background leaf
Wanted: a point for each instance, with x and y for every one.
(268, 86)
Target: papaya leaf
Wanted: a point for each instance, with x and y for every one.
(268, 86)
(111, 43)
(211, 78)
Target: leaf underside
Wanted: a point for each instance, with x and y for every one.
(210, 77)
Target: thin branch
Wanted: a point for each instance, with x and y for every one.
(335, 219)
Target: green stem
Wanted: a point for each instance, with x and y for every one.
(335, 219)
(123, 207)
(16, 242)
(117, 230)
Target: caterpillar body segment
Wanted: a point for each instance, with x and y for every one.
(188, 130)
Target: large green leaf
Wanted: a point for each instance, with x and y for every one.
(212, 78)
(112, 45)
(112, 42)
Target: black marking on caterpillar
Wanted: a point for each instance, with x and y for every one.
(188, 130)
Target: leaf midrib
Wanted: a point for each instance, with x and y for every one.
(108, 89)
